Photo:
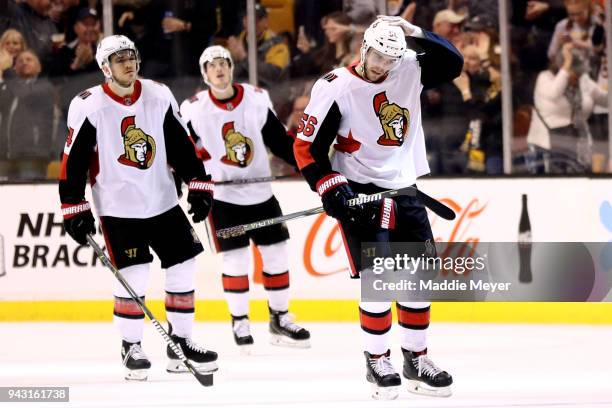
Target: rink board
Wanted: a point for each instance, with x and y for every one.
(45, 276)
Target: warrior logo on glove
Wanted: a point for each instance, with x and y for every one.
(394, 120)
(139, 147)
(238, 148)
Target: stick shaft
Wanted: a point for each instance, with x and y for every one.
(253, 180)
(205, 380)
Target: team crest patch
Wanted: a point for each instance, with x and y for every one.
(238, 148)
(394, 120)
(139, 147)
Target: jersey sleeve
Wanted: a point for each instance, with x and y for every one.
(440, 61)
(273, 132)
(180, 149)
(316, 132)
(79, 152)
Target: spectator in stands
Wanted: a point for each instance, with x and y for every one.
(32, 20)
(564, 97)
(78, 56)
(272, 52)
(578, 28)
(26, 124)
(64, 14)
(308, 14)
(480, 86)
(447, 24)
(11, 44)
(335, 52)
(299, 104)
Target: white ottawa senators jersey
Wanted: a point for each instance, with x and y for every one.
(129, 170)
(229, 136)
(380, 137)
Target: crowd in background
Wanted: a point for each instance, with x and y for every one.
(558, 67)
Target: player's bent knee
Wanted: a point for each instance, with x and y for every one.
(275, 257)
(180, 277)
(236, 262)
(136, 276)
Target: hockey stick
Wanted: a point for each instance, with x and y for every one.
(429, 202)
(204, 379)
(254, 180)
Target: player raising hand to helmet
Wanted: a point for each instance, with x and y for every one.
(370, 112)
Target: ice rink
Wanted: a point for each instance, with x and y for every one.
(493, 366)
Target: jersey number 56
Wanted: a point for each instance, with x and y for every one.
(307, 125)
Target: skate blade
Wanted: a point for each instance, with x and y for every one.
(385, 393)
(418, 387)
(136, 375)
(177, 367)
(284, 341)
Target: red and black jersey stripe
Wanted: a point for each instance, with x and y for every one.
(235, 284)
(375, 323)
(128, 308)
(276, 281)
(182, 302)
(415, 319)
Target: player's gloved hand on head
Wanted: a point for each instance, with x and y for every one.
(79, 221)
(335, 192)
(200, 198)
(409, 28)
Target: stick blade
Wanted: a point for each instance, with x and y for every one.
(437, 207)
(205, 379)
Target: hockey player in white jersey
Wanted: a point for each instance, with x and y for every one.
(371, 110)
(232, 124)
(128, 135)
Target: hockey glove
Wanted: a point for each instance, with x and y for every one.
(79, 221)
(335, 193)
(200, 198)
(409, 29)
(379, 214)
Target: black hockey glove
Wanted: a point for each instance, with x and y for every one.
(79, 221)
(379, 214)
(335, 193)
(200, 198)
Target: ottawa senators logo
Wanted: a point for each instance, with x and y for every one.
(238, 148)
(394, 120)
(139, 147)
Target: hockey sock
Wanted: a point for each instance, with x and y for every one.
(276, 274)
(236, 280)
(127, 315)
(375, 319)
(413, 320)
(180, 300)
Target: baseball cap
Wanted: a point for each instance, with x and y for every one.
(449, 16)
(86, 12)
(260, 11)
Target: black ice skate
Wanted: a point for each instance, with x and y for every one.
(135, 361)
(202, 360)
(242, 334)
(286, 333)
(424, 377)
(380, 372)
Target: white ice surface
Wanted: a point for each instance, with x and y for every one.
(492, 365)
